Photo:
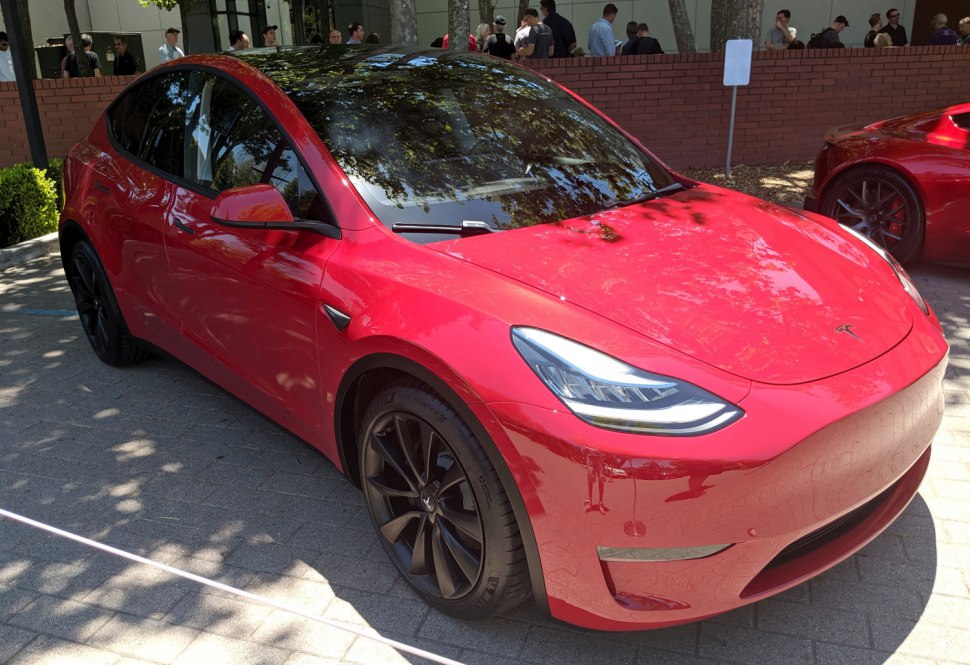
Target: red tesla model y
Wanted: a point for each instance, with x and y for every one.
(554, 367)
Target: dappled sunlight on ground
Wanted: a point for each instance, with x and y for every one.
(785, 184)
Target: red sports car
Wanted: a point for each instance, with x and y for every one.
(905, 183)
(553, 366)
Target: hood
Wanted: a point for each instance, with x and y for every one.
(743, 285)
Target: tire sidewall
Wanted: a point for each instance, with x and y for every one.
(483, 481)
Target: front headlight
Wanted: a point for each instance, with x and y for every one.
(608, 393)
(898, 270)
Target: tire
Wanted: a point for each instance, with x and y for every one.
(881, 204)
(438, 506)
(101, 318)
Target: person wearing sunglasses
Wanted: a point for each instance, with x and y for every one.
(894, 30)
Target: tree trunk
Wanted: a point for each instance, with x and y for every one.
(404, 22)
(28, 37)
(323, 16)
(735, 19)
(682, 29)
(82, 61)
(459, 25)
(486, 11)
(184, 6)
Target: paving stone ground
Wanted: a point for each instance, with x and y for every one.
(155, 460)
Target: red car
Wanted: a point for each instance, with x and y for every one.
(554, 366)
(905, 183)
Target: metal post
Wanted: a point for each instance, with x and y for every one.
(734, 103)
(25, 82)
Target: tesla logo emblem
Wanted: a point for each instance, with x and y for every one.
(847, 329)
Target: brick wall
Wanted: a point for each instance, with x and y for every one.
(67, 108)
(674, 103)
(678, 107)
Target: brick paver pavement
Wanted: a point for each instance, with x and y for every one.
(156, 460)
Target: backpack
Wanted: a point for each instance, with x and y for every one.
(818, 42)
(502, 47)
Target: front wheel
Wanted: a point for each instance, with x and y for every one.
(438, 506)
(881, 204)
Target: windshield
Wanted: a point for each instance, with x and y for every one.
(436, 139)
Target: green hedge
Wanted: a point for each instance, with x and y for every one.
(30, 199)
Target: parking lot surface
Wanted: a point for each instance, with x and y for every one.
(155, 460)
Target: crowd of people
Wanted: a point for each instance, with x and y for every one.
(542, 33)
(880, 35)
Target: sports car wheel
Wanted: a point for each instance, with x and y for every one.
(103, 324)
(881, 204)
(438, 506)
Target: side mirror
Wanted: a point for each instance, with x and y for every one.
(253, 205)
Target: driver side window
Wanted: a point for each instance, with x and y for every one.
(232, 142)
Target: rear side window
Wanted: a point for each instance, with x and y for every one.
(149, 122)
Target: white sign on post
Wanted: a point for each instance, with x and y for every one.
(737, 71)
(737, 62)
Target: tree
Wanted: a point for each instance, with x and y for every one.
(486, 11)
(404, 22)
(27, 33)
(735, 19)
(682, 29)
(83, 68)
(459, 25)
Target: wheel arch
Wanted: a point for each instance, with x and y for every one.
(69, 235)
(366, 378)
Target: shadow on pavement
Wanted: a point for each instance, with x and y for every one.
(157, 461)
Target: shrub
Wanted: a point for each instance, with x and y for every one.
(28, 204)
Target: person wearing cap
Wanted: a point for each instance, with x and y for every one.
(498, 43)
(356, 31)
(829, 38)
(563, 35)
(170, 50)
(6, 60)
(269, 35)
(893, 29)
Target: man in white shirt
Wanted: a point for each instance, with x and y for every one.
(782, 35)
(170, 50)
(6, 60)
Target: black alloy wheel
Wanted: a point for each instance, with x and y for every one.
(880, 204)
(101, 319)
(438, 506)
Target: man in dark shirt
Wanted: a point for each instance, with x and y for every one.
(94, 62)
(563, 35)
(895, 31)
(631, 39)
(646, 45)
(539, 43)
(124, 61)
(875, 25)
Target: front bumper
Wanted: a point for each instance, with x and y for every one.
(808, 477)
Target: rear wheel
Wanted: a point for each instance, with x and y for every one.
(103, 324)
(881, 204)
(438, 506)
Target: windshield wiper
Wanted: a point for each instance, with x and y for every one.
(468, 228)
(647, 196)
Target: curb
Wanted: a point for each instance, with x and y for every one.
(27, 250)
